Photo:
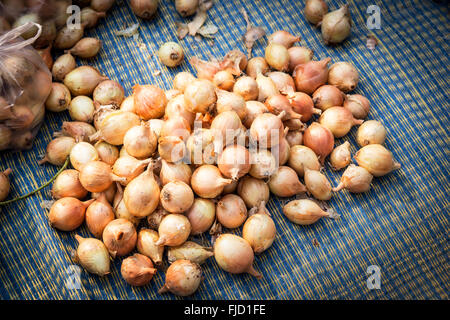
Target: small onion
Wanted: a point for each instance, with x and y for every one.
(319, 139)
(318, 185)
(207, 181)
(83, 80)
(182, 80)
(119, 237)
(68, 36)
(173, 230)
(285, 183)
(97, 176)
(175, 171)
(81, 154)
(98, 215)
(281, 152)
(263, 164)
(278, 103)
(78, 130)
(294, 137)
(338, 120)
(86, 48)
(230, 188)
(201, 215)
(68, 213)
(90, 17)
(256, 66)
(186, 8)
(253, 191)
(266, 87)
(120, 209)
(127, 104)
(376, 159)
(231, 211)
(93, 255)
(58, 150)
(371, 132)
(183, 278)
(5, 186)
(234, 255)
(176, 127)
(141, 195)
(355, 179)
(315, 10)
(267, 129)
(299, 55)
(67, 184)
(224, 80)
(283, 81)
(234, 162)
(284, 38)
(129, 167)
(146, 245)
(344, 76)
(82, 108)
(144, 9)
(140, 141)
(224, 128)
(304, 212)
(109, 193)
(246, 87)
(176, 107)
(171, 54)
(107, 152)
(302, 158)
(109, 92)
(58, 99)
(156, 126)
(176, 197)
(341, 156)
(171, 148)
(254, 108)
(336, 25)
(101, 5)
(259, 231)
(205, 69)
(114, 127)
(200, 96)
(62, 66)
(277, 56)
(234, 61)
(154, 219)
(137, 270)
(230, 101)
(311, 75)
(189, 251)
(358, 105)
(328, 96)
(149, 101)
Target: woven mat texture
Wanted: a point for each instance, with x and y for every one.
(401, 225)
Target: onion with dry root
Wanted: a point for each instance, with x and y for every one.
(370, 132)
(358, 105)
(82, 81)
(253, 191)
(234, 162)
(119, 237)
(58, 150)
(140, 141)
(200, 96)
(336, 25)
(355, 179)
(149, 101)
(201, 215)
(146, 245)
(171, 54)
(256, 66)
(107, 152)
(144, 9)
(231, 211)
(303, 104)
(173, 230)
(137, 270)
(189, 251)
(93, 255)
(109, 92)
(59, 98)
(305, 212)
(235, 255)
(183, 278)
(311, 75)
(328, 96)
(341, 156)
(176, 197)
(263, 164)
(207, 181)
(247, 88)
(224, 80)
(344, 76)
(376, 159)
(68, 213)
(284, 38)
(285, 183)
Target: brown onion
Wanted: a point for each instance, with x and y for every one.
(263, 164)
(67, 184)
(68, 213)
(285, 183)
(302, 158)
(299, 55)
(146, 245)
(144, 9)
(277, 56)
(338, 120)
(120, 209)
(318, 185)
(98, 215)
(234, 162)
(137, 270)
(235, 62)
(58, 99)
(102, 5)
(284, 38)
(5, 186)
(86, 48)
(253, 191)
(183, 278)
(82, 108)
(114, 127)
(171, 148)
(90, 17)
(93, 255)
(109, 92)
(58, 150)
(186, 7)
(171, 54)
(205, 69)
(283, 81)
(177, 127)
(294, 137)
(140, 141)
(68, 36)
(97, 176)
(371, 132)
(231, 211)
(109, 193)
(328, 96)
(303, 104)
(224, 128)
(259, 231)
(82, 81)
(254, 108)
(358, 105)
(176, 107)
(78, 130)
(129, 167)
(182, 80)
(189, 251)
(141, 195)
(175, 171)
(127, 104)
(376, 159)
(234, 255)
(176, 197)
(81, 154)
(304, 212)
(230, 101)
(62, 66)
(341, 156)
(344, 76)
(256, 66)
(173, 230)
(311, 75)
(119, 237)
(224, 80)
(355, 179)
(201, 215)
(149, 101)
(319, 139)
(266, 87)
(267, 129)
(107, 152)
(207, 181)
(315, 10)
(278, 103)
(200, 96)
(336, 25)
(281, 152)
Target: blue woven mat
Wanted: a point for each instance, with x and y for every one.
(401, 225)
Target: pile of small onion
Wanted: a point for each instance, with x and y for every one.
(156, 168)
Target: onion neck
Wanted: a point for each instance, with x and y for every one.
(339, 187)
(252, 271)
